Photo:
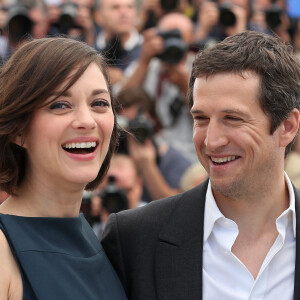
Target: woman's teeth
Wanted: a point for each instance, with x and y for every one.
(80, 145)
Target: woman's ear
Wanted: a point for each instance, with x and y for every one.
(289, 128)
(19, 140)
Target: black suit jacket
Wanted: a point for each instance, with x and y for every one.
(157, 249)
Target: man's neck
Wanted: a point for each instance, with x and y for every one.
(257, 212)
(255, 217)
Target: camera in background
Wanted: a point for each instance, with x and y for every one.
(68, 16)
(227, 18)
(141, 127)
(273, 15)
(19, 25)
(174, 48)
(169, 5)
(113, 198)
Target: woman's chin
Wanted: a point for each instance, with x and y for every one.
(84, 180)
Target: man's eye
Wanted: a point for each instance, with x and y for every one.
(59, 105)
(232, 118)
(200, 118)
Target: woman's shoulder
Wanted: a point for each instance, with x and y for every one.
(11, 283)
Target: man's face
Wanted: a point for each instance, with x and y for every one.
(118, 16)
(232, 134)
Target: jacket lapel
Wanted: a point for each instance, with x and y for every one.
(297, 263)
(178, 264)
(178, 260)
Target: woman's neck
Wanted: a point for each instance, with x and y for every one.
(44, 201)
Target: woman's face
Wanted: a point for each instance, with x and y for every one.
(68, 139)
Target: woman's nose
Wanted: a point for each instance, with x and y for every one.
(83, 119)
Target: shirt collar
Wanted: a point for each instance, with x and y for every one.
(292, 202)
(212, 212)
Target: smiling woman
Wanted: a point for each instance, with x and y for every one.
(57, 133)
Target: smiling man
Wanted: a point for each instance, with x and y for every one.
(235, 236)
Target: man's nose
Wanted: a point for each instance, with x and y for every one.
(216, 137)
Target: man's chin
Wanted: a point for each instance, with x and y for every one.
(229, 189)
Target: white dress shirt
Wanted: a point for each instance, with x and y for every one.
(226, 277)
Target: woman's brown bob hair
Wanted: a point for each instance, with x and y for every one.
(30, 77)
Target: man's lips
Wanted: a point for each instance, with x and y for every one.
(224, 159)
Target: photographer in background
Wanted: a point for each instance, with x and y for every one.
(118, 40)
(19, 22)
(149, 14)
(161, 166)
(75, 19)
(218, 19)
(275, 18)
(17, 28)
(152, 11)
(163, 71)
(121, 189)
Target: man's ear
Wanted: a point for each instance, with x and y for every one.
(289, 128)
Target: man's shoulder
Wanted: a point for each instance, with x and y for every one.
(159, 211)
(158, 208)
(138, 230)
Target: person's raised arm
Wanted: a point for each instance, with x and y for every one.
(144, 155)
(151, 47)
(207, 18)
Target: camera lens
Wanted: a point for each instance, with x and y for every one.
(113, 198)
(174, 47)
(227, 17)
(273, 16)
(168, 5)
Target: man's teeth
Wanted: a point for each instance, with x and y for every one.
(80, 145)
(223, 159)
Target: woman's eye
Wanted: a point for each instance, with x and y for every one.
(101, 103)
(59, 105)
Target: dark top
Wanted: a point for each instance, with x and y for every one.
(60, 258)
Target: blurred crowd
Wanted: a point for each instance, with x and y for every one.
(149, 46)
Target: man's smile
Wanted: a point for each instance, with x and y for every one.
(223, 160)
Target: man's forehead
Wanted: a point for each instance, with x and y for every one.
(230, 89)
(110, 3)
(247, 76)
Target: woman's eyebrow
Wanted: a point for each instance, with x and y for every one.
(93, 93)
(99, 91)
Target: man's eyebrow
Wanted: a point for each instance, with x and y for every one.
(227, 111)
(236, 111)
(196, 111)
